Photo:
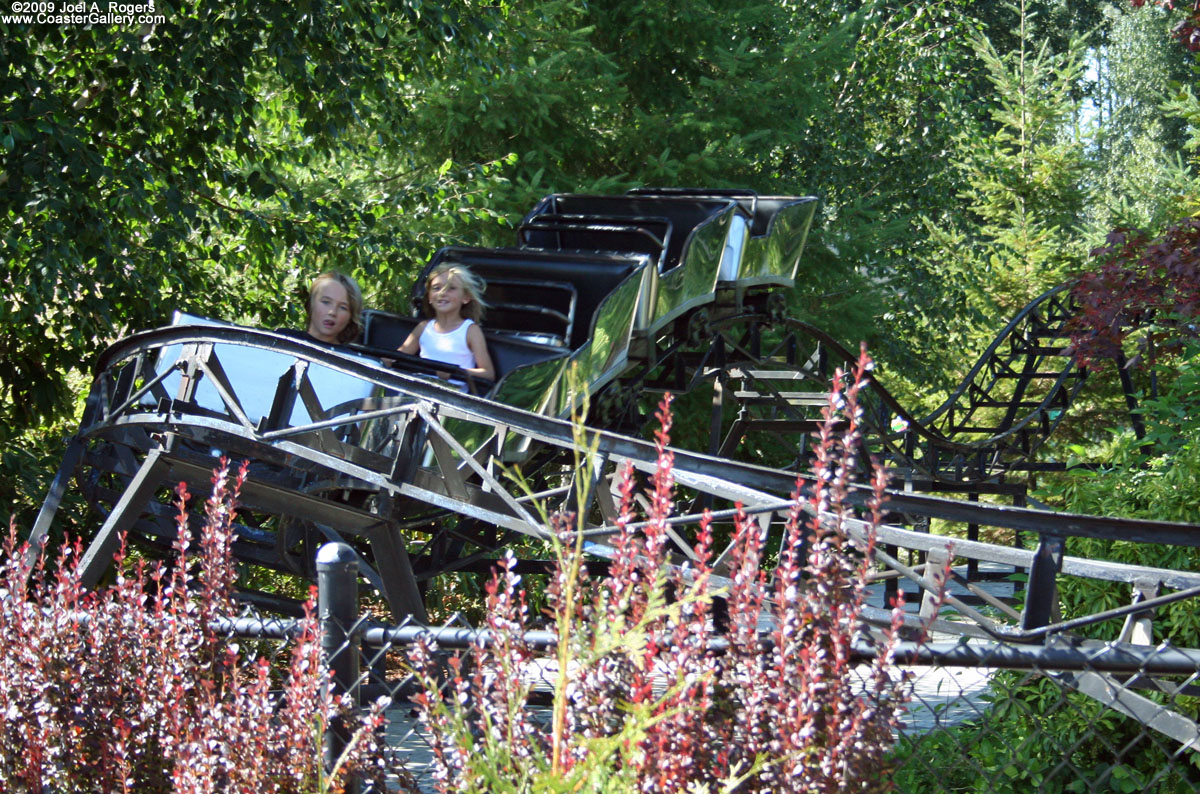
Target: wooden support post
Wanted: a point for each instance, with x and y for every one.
(973, 535)
(936, 563)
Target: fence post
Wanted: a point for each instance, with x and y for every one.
(1041, 597)
(337, 611)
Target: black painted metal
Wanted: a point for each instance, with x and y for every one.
(337, 611)
(1041, 597)
(405, 477)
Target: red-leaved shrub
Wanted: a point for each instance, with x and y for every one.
(644, 699)
(1138, 280)
(128, 687)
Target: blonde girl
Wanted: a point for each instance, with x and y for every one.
(453, 301)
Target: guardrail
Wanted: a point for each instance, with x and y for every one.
(983, 715)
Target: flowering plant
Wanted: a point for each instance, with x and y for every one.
(646, 695)
(129, 687)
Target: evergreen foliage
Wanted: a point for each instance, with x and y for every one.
(1141, 178)
(214, 161)
(1022, 173)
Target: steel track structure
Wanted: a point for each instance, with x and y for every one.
(606, 302)
(768, 374)
(136, 440)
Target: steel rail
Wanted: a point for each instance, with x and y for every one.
(560, 432)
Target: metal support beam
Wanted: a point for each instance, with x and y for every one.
(125, 513)
(396, 571)
(45, 517)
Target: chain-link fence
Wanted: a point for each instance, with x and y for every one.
(1066, 722)
(1087, 717)
(983, 716)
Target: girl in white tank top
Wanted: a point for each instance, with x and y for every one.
(450, 347)
(453, 336)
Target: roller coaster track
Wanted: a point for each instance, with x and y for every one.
(422, 502)
(416, 501)
(773, 371)
(424, 480)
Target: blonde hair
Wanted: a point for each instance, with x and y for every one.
(354, 328)
(473, 286)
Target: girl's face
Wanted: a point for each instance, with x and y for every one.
(447, 296)
(330, 312)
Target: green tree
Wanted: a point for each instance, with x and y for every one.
(857, 103)
(178, 164)
(212, 160)
(215, 161)
(883, 157)
(1142, 177)
(1023, 174)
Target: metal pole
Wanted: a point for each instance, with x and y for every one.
(1042, 595)
(337, 611)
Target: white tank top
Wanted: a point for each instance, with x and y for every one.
(450, 348)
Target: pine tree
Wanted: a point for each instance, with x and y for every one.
(1024, 178)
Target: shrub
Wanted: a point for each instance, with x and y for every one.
(774, 713)
(1037, 734)
(129, 688)
(1139, 283)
